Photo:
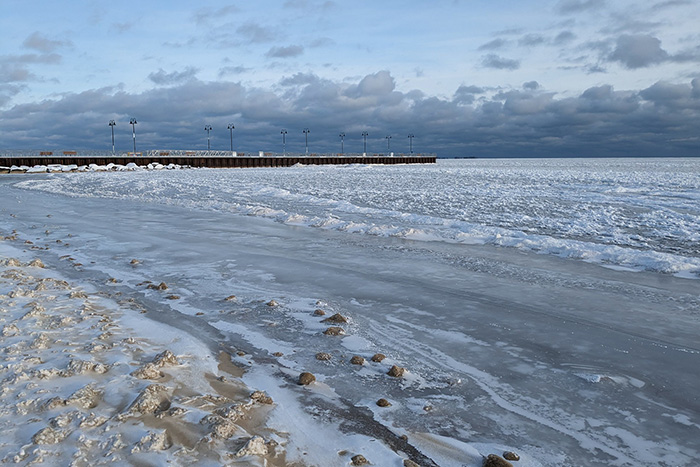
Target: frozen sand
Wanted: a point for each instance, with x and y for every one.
(87, 377)
(78, 364)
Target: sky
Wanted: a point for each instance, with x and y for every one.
(559, 78)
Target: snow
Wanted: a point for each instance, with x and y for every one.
(543, 307)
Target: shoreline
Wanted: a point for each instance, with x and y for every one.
(124, 395)
(102, 383)
(492, 340)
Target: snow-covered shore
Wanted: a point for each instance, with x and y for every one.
(505, 348)
(87, 376)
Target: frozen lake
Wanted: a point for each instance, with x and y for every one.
(546, 307)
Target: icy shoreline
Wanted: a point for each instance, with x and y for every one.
(58, 168)
(86, 378)
(563, 361)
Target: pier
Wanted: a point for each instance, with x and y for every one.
(211, 159)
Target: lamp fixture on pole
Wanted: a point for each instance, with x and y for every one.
(306, 138)
(230, 129)
(208, 128)
(133, 123)
(111, 124)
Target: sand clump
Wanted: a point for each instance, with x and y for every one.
(493, 460)
(306, 378)
(336, 319)
(68, 368)
(396, 371)
(359, 459)
(378, 357)
(334, 331)
(357, 360)
(154, 398)
(151, 370)
(153, 441)
(261, 397)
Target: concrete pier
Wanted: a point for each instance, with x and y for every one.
(213, 161)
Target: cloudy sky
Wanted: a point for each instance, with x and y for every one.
(468, 78)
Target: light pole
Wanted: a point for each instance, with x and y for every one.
(111, 124)
(364, 137)
(388, 144)
(410, 142)
(133, 123)
(284, 141)
(208, 128)
(230, 129)
(342, 143)
(306, 138)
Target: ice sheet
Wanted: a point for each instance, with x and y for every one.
(562, 360)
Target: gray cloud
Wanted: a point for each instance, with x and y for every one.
(255, 33)
(659, 120)
(41, 43)
(233, 70)
(46, 59)
(374, 85)
(175, 77)
(466, 95)
(309, 5)
(577, 6)
(285, 52)
(638, 51)
(121, 28)
(564, 37)
(7, 91)
(670, 4)
(205, 16)
(531, 40)
(15, 68)
(321, 42)
(495, 44)
(663, 93)
(14, 73)
(499, 63)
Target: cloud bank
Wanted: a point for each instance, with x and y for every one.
(474, 122)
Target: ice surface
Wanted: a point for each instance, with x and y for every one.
(640, 214)
(482, 278)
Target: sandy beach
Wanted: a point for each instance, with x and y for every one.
(86, 377)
